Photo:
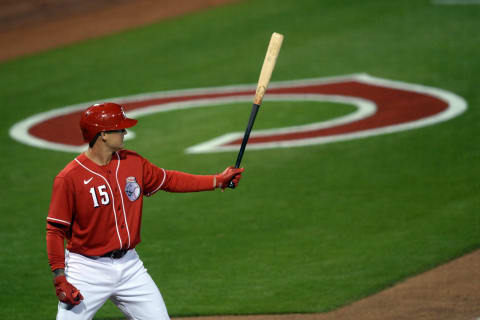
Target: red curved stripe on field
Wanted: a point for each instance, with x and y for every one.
(59, 129)
(394, 106)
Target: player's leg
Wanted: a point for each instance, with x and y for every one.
(94, 281)
(138, 296)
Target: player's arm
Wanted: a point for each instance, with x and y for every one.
(55, 246)
(65, 291)
(177, 181)
(156, 178)
(58, 222)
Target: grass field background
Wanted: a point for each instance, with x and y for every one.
(310, 229)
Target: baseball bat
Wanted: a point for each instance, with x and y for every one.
(265, 75)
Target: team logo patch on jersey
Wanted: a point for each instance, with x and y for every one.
(132, 189)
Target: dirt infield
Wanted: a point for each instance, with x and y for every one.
(448, 292)
(30, 26)
(451, 291)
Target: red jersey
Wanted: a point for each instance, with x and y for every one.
(101, 206)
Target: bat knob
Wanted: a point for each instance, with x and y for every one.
(231, 185)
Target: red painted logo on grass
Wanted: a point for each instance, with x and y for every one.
(382, 106)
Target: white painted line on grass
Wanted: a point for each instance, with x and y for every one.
(456, 2)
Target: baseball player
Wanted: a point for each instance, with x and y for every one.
(96, 206)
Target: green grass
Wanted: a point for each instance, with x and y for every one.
(309, 229)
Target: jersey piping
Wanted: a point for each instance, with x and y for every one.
(121, 198)
(161, 184)
(58, 220)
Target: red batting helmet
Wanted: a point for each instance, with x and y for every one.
(103, 117)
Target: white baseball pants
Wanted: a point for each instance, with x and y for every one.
(125, 281)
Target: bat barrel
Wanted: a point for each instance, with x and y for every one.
(268, 65)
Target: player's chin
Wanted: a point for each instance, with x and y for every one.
(120, 146)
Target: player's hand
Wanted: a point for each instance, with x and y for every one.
(229, 174)
(66, 292)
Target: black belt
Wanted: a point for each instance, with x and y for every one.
(115, 254)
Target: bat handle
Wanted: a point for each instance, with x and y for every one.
(231, 185)
(253, 115)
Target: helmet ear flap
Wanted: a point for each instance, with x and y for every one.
(92, 142)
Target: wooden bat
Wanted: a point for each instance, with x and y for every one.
(268, 66)
(265, 74)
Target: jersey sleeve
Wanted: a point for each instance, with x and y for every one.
(55, 246)
(153, 177)
(62, 202)
(156, 178)
(177, 181)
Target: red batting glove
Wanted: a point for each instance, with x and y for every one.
(66, 292)
(229, 174)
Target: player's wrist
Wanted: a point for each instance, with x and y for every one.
(218, 181)
(58, 272)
